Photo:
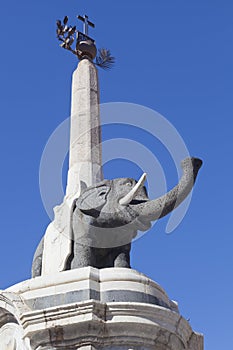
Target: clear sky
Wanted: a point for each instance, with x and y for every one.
(172, 56)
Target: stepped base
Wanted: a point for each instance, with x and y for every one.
(87, 308)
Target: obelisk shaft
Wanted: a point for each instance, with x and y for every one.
(85, 159)
(85, 164)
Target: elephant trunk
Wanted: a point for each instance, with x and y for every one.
(157, 208)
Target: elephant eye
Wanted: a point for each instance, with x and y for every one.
(102, 193)
(128, 183)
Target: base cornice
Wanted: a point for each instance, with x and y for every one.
(129, 311)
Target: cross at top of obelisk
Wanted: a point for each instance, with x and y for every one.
(86, 23)
(81, 45)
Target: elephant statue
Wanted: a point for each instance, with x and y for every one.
(107, 216)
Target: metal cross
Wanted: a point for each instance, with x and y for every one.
(86, 23)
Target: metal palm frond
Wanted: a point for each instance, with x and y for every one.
(104, 59)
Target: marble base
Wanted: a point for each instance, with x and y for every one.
(87, 308)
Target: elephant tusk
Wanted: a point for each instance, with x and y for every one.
(131, 195)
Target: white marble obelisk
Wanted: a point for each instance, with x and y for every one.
(85, 163)
(85, 159)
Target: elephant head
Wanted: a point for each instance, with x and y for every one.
(110, 213)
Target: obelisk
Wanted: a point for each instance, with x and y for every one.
(85, 158)
(85, 152)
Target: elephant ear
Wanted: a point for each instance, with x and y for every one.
(92, 200)
(83, 186)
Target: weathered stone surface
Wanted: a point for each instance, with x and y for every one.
(12, 306)
(85, 137)
(85, 165)
(57, 312)
(11, 338)
(105, 285)
(111, 325)
(196, 342)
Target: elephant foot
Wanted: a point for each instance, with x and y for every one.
(82, 256)
(37, 260)
(37, 267)
(122, 260)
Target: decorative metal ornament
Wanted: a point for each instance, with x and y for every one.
(81, 44)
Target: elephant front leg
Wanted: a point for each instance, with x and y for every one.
(37, 260)
(122, 258)
(83, 256)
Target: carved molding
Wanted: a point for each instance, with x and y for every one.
(107, 326)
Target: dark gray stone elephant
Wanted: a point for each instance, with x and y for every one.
(107, 216)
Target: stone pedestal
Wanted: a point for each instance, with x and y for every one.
(108, 309)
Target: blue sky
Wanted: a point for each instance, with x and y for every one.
(172, 56)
